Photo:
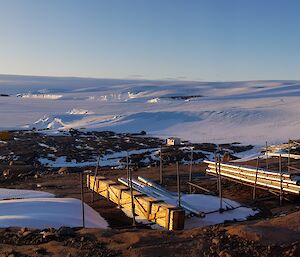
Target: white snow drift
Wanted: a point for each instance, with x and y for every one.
(48, 212)
(37, 209)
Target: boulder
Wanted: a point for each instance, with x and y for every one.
(63, 171)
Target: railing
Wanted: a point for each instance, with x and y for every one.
(277, 181)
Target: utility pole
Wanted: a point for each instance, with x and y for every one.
(281, 189)
(95, 176)
(220, 185)
(178, 185)
(256, 174)
(160, 167)
(267, 155)
(127, 166)
(129, 181)
(216, 167)
(289, 156)
(82, 199)
(191, 168)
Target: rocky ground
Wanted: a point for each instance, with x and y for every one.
(210, 241)
(275, 231)
(30, 148)
(52, 242)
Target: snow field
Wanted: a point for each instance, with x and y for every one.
(250, 112)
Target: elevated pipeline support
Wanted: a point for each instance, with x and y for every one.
(166, 215)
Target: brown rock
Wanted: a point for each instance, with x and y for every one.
(23, 230)
(6, 173)
(227, 157)
(225, 253)
(48, 235)
(215, 241)
(26, 233)
(63, 171)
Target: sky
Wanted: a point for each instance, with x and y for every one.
(205, 40)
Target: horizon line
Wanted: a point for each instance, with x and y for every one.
(140, 79)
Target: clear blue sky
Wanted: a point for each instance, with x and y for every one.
(157, 39)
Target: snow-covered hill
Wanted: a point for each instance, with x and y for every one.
(247, 112)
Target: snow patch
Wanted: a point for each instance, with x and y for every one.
(48, 212)
(154, 100)
(62, 162)
(209, 205)
(41, 96)
(18, 193)
(75, 111)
